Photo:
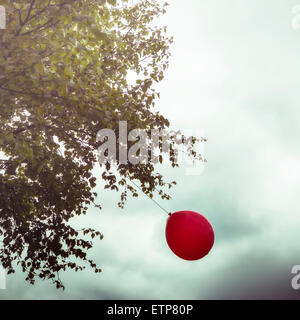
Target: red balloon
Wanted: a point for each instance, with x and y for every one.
(189, 235)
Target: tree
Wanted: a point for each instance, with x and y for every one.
(63, 77)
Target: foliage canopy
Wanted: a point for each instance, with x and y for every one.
(64, 76)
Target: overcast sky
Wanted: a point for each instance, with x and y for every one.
(235, 75)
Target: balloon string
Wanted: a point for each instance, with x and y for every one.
(126, 177)
(149, 197)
